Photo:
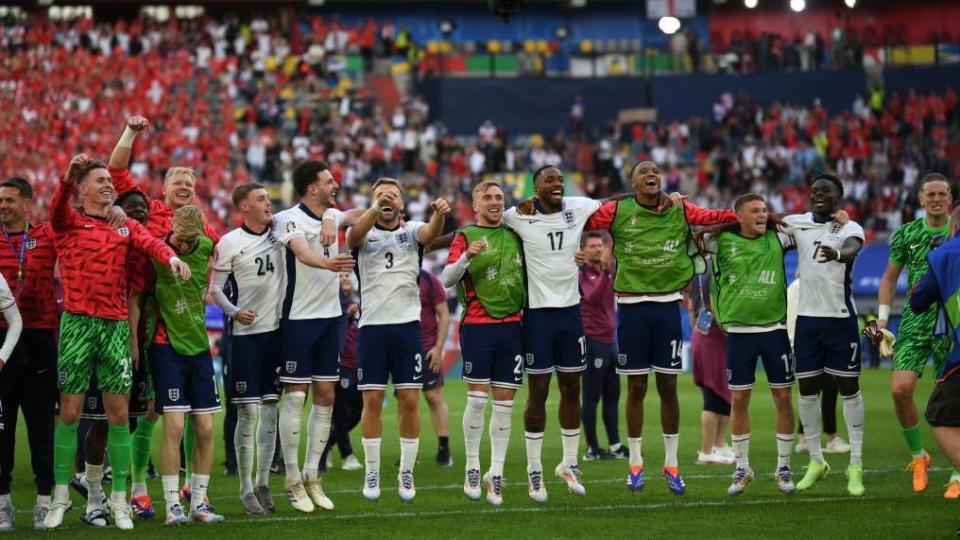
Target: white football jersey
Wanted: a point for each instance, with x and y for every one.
(310, 293)
(255, 276)
(825, 288)
(550, 244)
(388, 264)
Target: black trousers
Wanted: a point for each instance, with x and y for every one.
(600, 381)
(28, 383)
(346, 414)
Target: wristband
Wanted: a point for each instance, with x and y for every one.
(883, 312)
(126, 140)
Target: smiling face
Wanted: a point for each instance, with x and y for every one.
(179, 189)
(136, 207)
(13, 206)
(646, 179)
(549, 186)
(97, 187)
(324, 190)
(935, 197)
(824, 197)
(391, 203)
(256, 207)
(752, 217)
(488, 204)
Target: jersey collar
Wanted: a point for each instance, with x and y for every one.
(309, 212)
(249, 231)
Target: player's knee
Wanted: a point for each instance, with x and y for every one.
(901, 393)
(434, 397)
(848, 386)
(667, 386)
(740, 400)
(636, 388)
(810, 386)
(781, 399)
(203, 427)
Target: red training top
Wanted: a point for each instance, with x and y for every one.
(596, 303)
(36, 297)
(93, 257)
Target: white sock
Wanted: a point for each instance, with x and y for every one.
(615, 446)
(473, 418)
(198, 489)
(853, 416)
(62, 493)
(371, 454)
(266, 441)
(634, 444)
(118, 497)
(809, 407)
(784, 447)
(95, 486)
(670, 442)
(741, 449)
(534, 451)
(243, 444)
(408, 453)
(139, 488)
(318, 431)
(290, 433)
(571, 445)
(499, 435)
(171, 489)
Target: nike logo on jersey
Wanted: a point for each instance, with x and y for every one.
(372, 240)
(531, 221)
(915, 246)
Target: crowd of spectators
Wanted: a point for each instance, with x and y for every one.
(239, 100)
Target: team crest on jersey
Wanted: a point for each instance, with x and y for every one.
(344, 383)
(360, 374)
(835, 227)
(403, 237)
(290, 366)
(598, 363)
(173, 394)
(729, 375)
(569, 218)
(31, 243)
(123, 231)
(241, 387)
(529, 358)
(62, 378)
(290, 227)
(491, 273)
(622, 359)
(91, 402)
(274, 241)
(467, 367)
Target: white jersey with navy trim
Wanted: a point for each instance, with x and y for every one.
(310, 293)
(825, 288)
(388, 265)
(252, 262)
(550, 245)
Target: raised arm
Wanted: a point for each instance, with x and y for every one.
(61, 213)
(120, 157)
(357, 233)
(434, 227)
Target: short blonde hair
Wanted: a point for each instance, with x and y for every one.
(179, 170)
(387, 181)
(483, 186)
(188, 223)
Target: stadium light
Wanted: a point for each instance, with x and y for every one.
(850, 3)
(798, 5)
(750, 4)
(669, 25)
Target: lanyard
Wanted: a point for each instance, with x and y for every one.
(22, 256)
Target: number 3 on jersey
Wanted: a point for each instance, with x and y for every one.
(389, 257)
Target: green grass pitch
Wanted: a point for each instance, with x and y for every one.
(889, 508)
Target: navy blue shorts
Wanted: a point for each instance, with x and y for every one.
(390, 352)
(184, 384)
(553, 338)
(492, 354)
(773, 348)
(649, 338)
(310, 349)
(251, 374)
(432, 379)
(827, 344)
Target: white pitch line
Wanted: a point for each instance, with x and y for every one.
(565, 508)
